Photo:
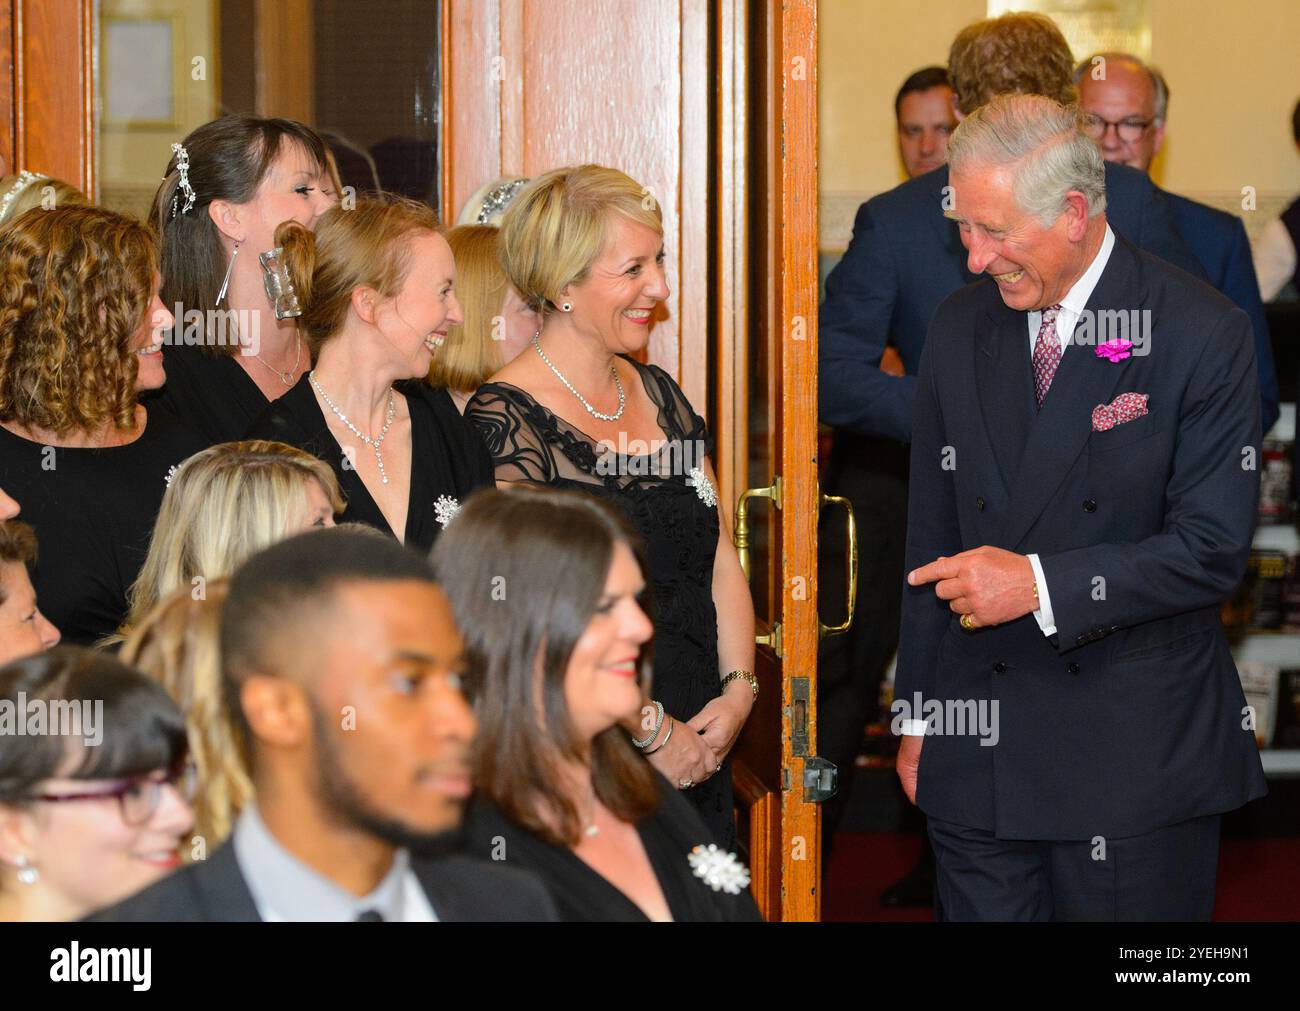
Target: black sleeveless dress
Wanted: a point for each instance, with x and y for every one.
(676, 515)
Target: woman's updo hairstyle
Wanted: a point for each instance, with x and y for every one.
(363, 247)
(555, 228)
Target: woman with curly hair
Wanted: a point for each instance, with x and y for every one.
(80, 339)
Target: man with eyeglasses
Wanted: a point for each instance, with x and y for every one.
(1125, 104)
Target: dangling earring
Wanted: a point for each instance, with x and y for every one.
(27, 874)
(566, 307)
(225, 281)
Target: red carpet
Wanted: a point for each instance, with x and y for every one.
(1259, 879)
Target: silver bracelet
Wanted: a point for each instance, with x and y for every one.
(671, 723)
(659, 722)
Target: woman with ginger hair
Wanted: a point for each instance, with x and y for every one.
(376, 285)
(80, 340)
(498, 323)
(225, 504)
(178, 645)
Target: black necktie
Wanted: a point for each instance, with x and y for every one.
(370, 916)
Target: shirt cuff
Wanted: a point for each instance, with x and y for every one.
(1044, 616)
(914, 728)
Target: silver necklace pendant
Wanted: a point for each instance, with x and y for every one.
(376, 443)
(286, 378)
(537, 346)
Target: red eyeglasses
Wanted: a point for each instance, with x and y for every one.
(138, 796)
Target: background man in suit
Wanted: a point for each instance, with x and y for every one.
(344, 662)
(1062, 497)
(904, 259)
(1126, 105)
(923, 111)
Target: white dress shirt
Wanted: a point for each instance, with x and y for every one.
(1275, 259)
(1072, 306)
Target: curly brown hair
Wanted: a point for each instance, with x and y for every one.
(75, 284)
(1013, 54)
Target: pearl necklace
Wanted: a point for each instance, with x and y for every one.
(377, 442)
(287, 378)
(537, 346)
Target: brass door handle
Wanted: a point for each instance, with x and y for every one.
(850, 569)
(773, 492)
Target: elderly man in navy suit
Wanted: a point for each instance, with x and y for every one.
(904, 259)
(1126, 107)
(1083, 488)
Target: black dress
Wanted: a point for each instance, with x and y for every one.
(210, 393)
(93, 511)
(671, 511)
(582, 895)
(448, 460)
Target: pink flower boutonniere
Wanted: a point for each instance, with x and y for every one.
(1115, 350)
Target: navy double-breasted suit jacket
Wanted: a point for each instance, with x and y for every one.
(1132, 716)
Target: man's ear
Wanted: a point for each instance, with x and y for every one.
(276, 709)
(228, 219)
(1160, 139)
(1076, 215)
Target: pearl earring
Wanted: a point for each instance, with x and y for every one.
(566, 306)
(27, 874)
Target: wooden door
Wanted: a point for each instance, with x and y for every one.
(767, 380)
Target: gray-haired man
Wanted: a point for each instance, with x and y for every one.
(1081, 502)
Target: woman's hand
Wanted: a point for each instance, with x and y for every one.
(719, 723)
(685, 758)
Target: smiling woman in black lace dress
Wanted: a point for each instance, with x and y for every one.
(584, 247)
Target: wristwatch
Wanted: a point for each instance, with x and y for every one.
(743, 675)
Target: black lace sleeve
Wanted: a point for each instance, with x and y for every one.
(518, 450)
(676, 415)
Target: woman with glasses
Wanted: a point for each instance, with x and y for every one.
(93, 791)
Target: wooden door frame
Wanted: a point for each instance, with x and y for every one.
(774, 218)
(47, 89)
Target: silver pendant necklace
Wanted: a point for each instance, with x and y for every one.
(537, 346)
(377, 442)
(287, 378)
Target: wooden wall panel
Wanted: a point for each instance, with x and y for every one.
(532, 86)
(53, 89)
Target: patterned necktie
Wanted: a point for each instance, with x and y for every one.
(1047, 354)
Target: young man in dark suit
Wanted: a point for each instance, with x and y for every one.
(1083, 490)
(1126, 108)
(343, 663)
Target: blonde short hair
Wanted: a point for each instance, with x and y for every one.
(470, 356)
(557, 226)
(1013, 54)
(21, 193)
(178, 645)
(224, 504)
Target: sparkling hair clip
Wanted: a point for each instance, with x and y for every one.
(25, 178)
(183, 167)
(498, 199)
(279, 285)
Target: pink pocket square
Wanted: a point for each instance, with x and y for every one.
(1125, 407)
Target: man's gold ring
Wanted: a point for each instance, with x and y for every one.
(967, 623)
